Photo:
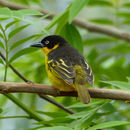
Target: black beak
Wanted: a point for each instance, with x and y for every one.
(38, 44)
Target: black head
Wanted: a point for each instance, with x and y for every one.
(50, 42)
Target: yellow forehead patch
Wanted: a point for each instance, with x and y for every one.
(46, 50)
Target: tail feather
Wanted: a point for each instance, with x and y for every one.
(83, 93)
(80, 85)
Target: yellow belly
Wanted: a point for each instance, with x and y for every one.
(58, 83)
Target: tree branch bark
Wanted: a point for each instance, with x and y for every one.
(12, 87)
(92, 27)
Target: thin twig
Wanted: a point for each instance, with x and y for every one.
(92, 27)
(12, 87)
(45, 97)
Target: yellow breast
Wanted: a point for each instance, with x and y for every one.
(56, 81)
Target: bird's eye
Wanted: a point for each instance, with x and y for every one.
(46, 42)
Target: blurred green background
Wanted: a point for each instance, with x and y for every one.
(109, 58)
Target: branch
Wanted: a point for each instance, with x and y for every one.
(92, 27)
(11, 87)
(45, 97)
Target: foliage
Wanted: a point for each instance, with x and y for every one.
(109, 58)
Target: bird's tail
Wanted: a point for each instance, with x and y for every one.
(83, 93)
(81, 85)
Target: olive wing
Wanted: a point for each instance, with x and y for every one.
(63, 70)
(89, 73)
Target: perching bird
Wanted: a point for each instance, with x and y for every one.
(66, 67)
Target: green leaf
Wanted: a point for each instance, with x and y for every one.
(1, 36)
(127, 4)
(75, 8)
(123, 48)
(53, 114)
(2, 45)
(17, 43)
(128, 78)
(120, 84)
(100, 3)
(3, 19)
(72, 35)
(102, 21)
(1, 110)
(56, 128)
(56, 19)
(98, 40)
(80, 105)
(25, 12)
(61, 22)
(124, 14)
(1, 27)
(86, 118)
(109, 124)
(20, 14)
(21, 53)
(80, 114)
(57, 120)
(5, 12)
(17, 30)
(11, 23)
(1, 61)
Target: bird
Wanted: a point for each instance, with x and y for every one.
(66, 67)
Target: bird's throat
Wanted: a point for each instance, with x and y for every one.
(47, 50)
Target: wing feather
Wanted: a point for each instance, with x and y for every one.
(89, 73)
(63, 70)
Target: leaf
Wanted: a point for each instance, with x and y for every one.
(75, 8)
(86, 119)
(11, 23)
(100, 3)
(99, 40)
(1, 61)
(5, 12)
(1, 110)
(17, 30)
(25, 12)
(128, 78)
(53, 114)
(56, 19)
(3, 19)
(72, 35)
(80, 114)
(2, 45)
(21, 53)
(120, 84)
(109, 124)
(123, 48)
(1, 35)
(102, 21)
(17, 43)
(123, 14)
(20, 14)
(61, 22)
(80, 105)
(127, 4)
(56, 128)
(56, 120)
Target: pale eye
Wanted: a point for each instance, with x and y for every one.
(46, 42)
